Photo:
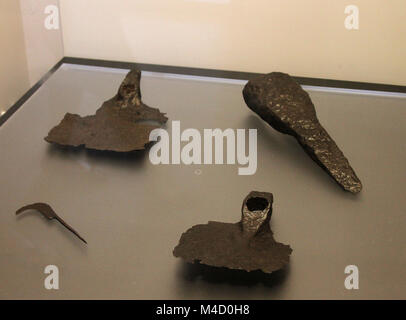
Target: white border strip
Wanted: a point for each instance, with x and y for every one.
(234, 81)
(355, 91)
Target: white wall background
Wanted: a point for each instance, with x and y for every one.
(305, 38)
(44, 46)
(28, 49)
(13, 63)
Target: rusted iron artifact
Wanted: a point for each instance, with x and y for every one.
(280, 101)
(118, 125)
(247, 245)
(50, 214)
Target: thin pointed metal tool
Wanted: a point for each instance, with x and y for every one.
(50, 214)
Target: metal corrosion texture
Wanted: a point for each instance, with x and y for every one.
(280, 101)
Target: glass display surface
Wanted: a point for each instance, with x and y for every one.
(132, 212)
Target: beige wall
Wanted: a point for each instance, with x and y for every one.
(28, 49)
(305, 38)
(44, 47)
(14, 79)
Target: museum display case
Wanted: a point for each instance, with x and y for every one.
(133, 133)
